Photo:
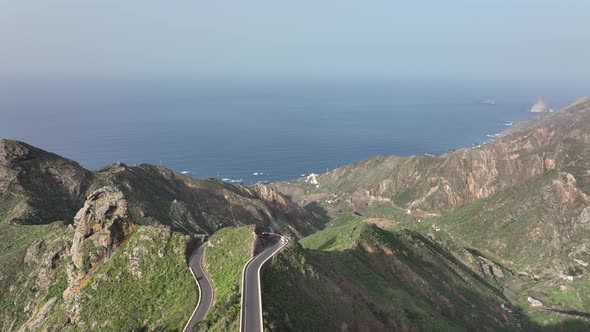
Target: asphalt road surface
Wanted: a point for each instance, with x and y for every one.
(205, 287)
(251, 320)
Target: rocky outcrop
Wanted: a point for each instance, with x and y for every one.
(33, 323)
(103, 221)
(101, 226)
(488, 269)
(287, 216)
(534, 302)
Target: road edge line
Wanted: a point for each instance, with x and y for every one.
(242, 291)
(200, 296)
(259, 278)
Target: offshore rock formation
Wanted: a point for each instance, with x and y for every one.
(541, 106)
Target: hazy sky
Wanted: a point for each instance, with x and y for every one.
(392, 39)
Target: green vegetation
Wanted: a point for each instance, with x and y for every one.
(509, 223)
(572, 295)
(228, 252)
(358, 276)
(340, 235)
(22, 287)
(548, 321)
(145, 285)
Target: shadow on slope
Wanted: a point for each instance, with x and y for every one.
(379, 281)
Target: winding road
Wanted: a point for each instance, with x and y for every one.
(205, 287)
(251, 312)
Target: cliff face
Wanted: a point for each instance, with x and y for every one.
(436, 185)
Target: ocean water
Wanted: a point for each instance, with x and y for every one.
(233, 129)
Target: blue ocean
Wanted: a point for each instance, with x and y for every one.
(259, 130)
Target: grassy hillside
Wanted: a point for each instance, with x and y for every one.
(340, 235)
(356, 276)
(33, 271)
(535, 226)
(146, 285)
(228, 252)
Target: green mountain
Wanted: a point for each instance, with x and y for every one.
(356, 276)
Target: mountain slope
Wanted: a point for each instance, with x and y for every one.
(540, 225)
(159, 196)
(38, 187)
(429, 186)
(356, 276)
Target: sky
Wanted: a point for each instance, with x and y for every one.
(484, 39)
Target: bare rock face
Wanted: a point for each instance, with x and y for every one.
(269, 195)
(490, 269)
(10, 152)
(33, 250)
(279, 207)
(100, 228)
(584, 218)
